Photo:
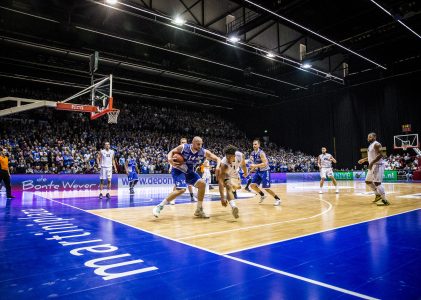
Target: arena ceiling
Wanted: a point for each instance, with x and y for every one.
(48, 42)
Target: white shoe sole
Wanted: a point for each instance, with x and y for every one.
(277, 203)
(235, 212)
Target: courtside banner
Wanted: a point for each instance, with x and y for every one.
(344, 175)
(146, 180)
(65, 182)
(274, 178)
(300, 177)
(389, 175)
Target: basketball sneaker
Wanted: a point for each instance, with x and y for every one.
(172, 202)
(200, 213)
(157, 210)
(108, 196)
(377, 198)
(384, 203)
(320, 192)
(337, 191)
(193, 199)
(100, 196)
(262, 198)
(277, 202)
(235, 212)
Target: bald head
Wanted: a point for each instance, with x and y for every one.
(197, 143)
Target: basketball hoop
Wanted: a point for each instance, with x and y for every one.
(404, 147)
(113, 116)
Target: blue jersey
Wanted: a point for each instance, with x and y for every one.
(255, 156)
(191, 159)
(131, 166)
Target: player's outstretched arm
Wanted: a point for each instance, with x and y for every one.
(363, 160)
(209, 155)
(221, 184)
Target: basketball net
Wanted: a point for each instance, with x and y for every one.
(113, 116)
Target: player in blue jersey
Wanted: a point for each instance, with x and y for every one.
(192, 197)
(262, 176)
(131, 170)
(184, 173)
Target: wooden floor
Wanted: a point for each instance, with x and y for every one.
(303, 211)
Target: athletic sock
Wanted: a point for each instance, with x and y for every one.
(374, 188)
(232, 203)
(380, 190)
(248, 183)
(163, 202)
(277, 198)
(191, 195)
(261, 193)
(235, 194)
(199, 204)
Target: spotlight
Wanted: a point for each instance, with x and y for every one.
(179, 21)
(270, 55)
(111, 2)
(306, 66)
(233, 39)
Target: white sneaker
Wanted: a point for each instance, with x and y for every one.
(337, 191)
(235, 212)
(262, 198)
(277, 202)
(156, 210)
(200, 213)
(172, 202)
(320, 192)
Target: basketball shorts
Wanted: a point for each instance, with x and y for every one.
(132, 176)
(326, 172)
(262, 177)
(105, 173)
(181, 179)
(375, 174)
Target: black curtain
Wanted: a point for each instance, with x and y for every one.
(345, 117)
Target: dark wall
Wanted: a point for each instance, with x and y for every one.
(347, 115)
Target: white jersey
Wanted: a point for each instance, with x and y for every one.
(235, 166)
(325, 160)
(107, 158)
(372, 153)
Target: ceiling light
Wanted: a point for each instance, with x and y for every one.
(270, 55)
(233, 39)
(306, 66)
(179, 21)
(111, 2)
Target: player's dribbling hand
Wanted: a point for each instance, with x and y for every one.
(173, 162)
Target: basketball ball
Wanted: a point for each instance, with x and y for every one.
(178, 158)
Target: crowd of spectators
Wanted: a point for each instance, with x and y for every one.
(48, 141)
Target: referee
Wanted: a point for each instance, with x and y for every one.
(4, 173)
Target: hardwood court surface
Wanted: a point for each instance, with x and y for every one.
(303, 211)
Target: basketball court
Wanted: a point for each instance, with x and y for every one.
(330, 246)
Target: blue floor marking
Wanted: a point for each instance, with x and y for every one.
(35, 268)
(377, 258)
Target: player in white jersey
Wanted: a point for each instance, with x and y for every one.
(206, 176)
(105, 160)
(229, 178)
(325, 161)
(190, 188)
(375, 172)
